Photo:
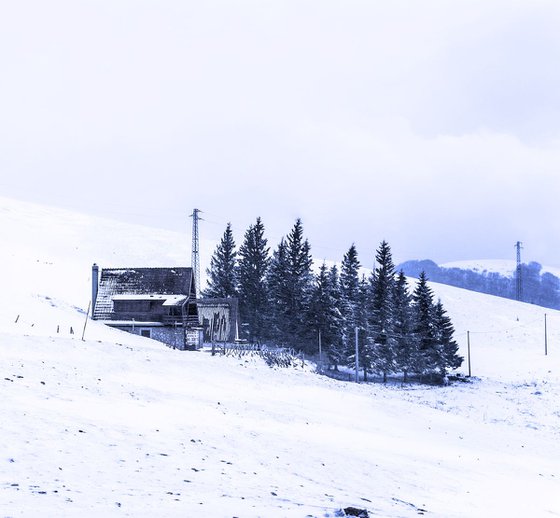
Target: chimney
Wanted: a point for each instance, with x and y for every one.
(94, 286)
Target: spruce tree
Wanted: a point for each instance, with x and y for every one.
(350, 299)
(381, 318)
(290, 288)
(278, 295)
(425, 355)
(448, 357)
(336, 349)
(366, 351)
(402, 326)
(252, 268)
(324, 314)
(222, 281)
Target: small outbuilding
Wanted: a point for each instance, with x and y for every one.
(158, 303)
(219, 319)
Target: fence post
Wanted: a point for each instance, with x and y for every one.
(85, 323)
(357, 360)
(545, 337)
(469, 351)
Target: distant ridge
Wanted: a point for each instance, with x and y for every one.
(541, 285)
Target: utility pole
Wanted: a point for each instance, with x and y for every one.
(545, 337)
(195, 259)
(469, 351)
(518, 283)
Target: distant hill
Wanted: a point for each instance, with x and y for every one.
(539, 285)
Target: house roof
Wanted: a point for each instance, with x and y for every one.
(172, 285)
(168, 300)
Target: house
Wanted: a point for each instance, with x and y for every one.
(158, 303)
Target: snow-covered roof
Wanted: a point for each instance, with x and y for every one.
(132, 323)
(173, 285)
(168, 300)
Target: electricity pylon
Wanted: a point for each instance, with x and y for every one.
(195, 258)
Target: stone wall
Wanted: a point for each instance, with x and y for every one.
(171, 336)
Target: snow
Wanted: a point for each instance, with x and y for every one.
(504, 267)
(168, 300)
(120, 425)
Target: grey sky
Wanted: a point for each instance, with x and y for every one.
(434, 125)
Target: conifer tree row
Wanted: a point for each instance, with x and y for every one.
(282, 302)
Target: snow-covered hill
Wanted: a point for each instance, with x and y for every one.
(504, 267)
(118, 425)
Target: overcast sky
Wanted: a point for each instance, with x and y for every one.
(434, 125)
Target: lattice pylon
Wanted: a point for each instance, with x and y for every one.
(195, 258)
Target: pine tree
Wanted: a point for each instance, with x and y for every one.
(324, 314)
(448, 357)
(278, 294)
(252, 268)
(336, 349)
(365, 346)
(290, 286)
(425, 355)
(222, 282)
(402, 326)
(381, 320)
(350, 299)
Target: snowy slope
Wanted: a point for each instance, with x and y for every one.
(46, 245)
(119, 425)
